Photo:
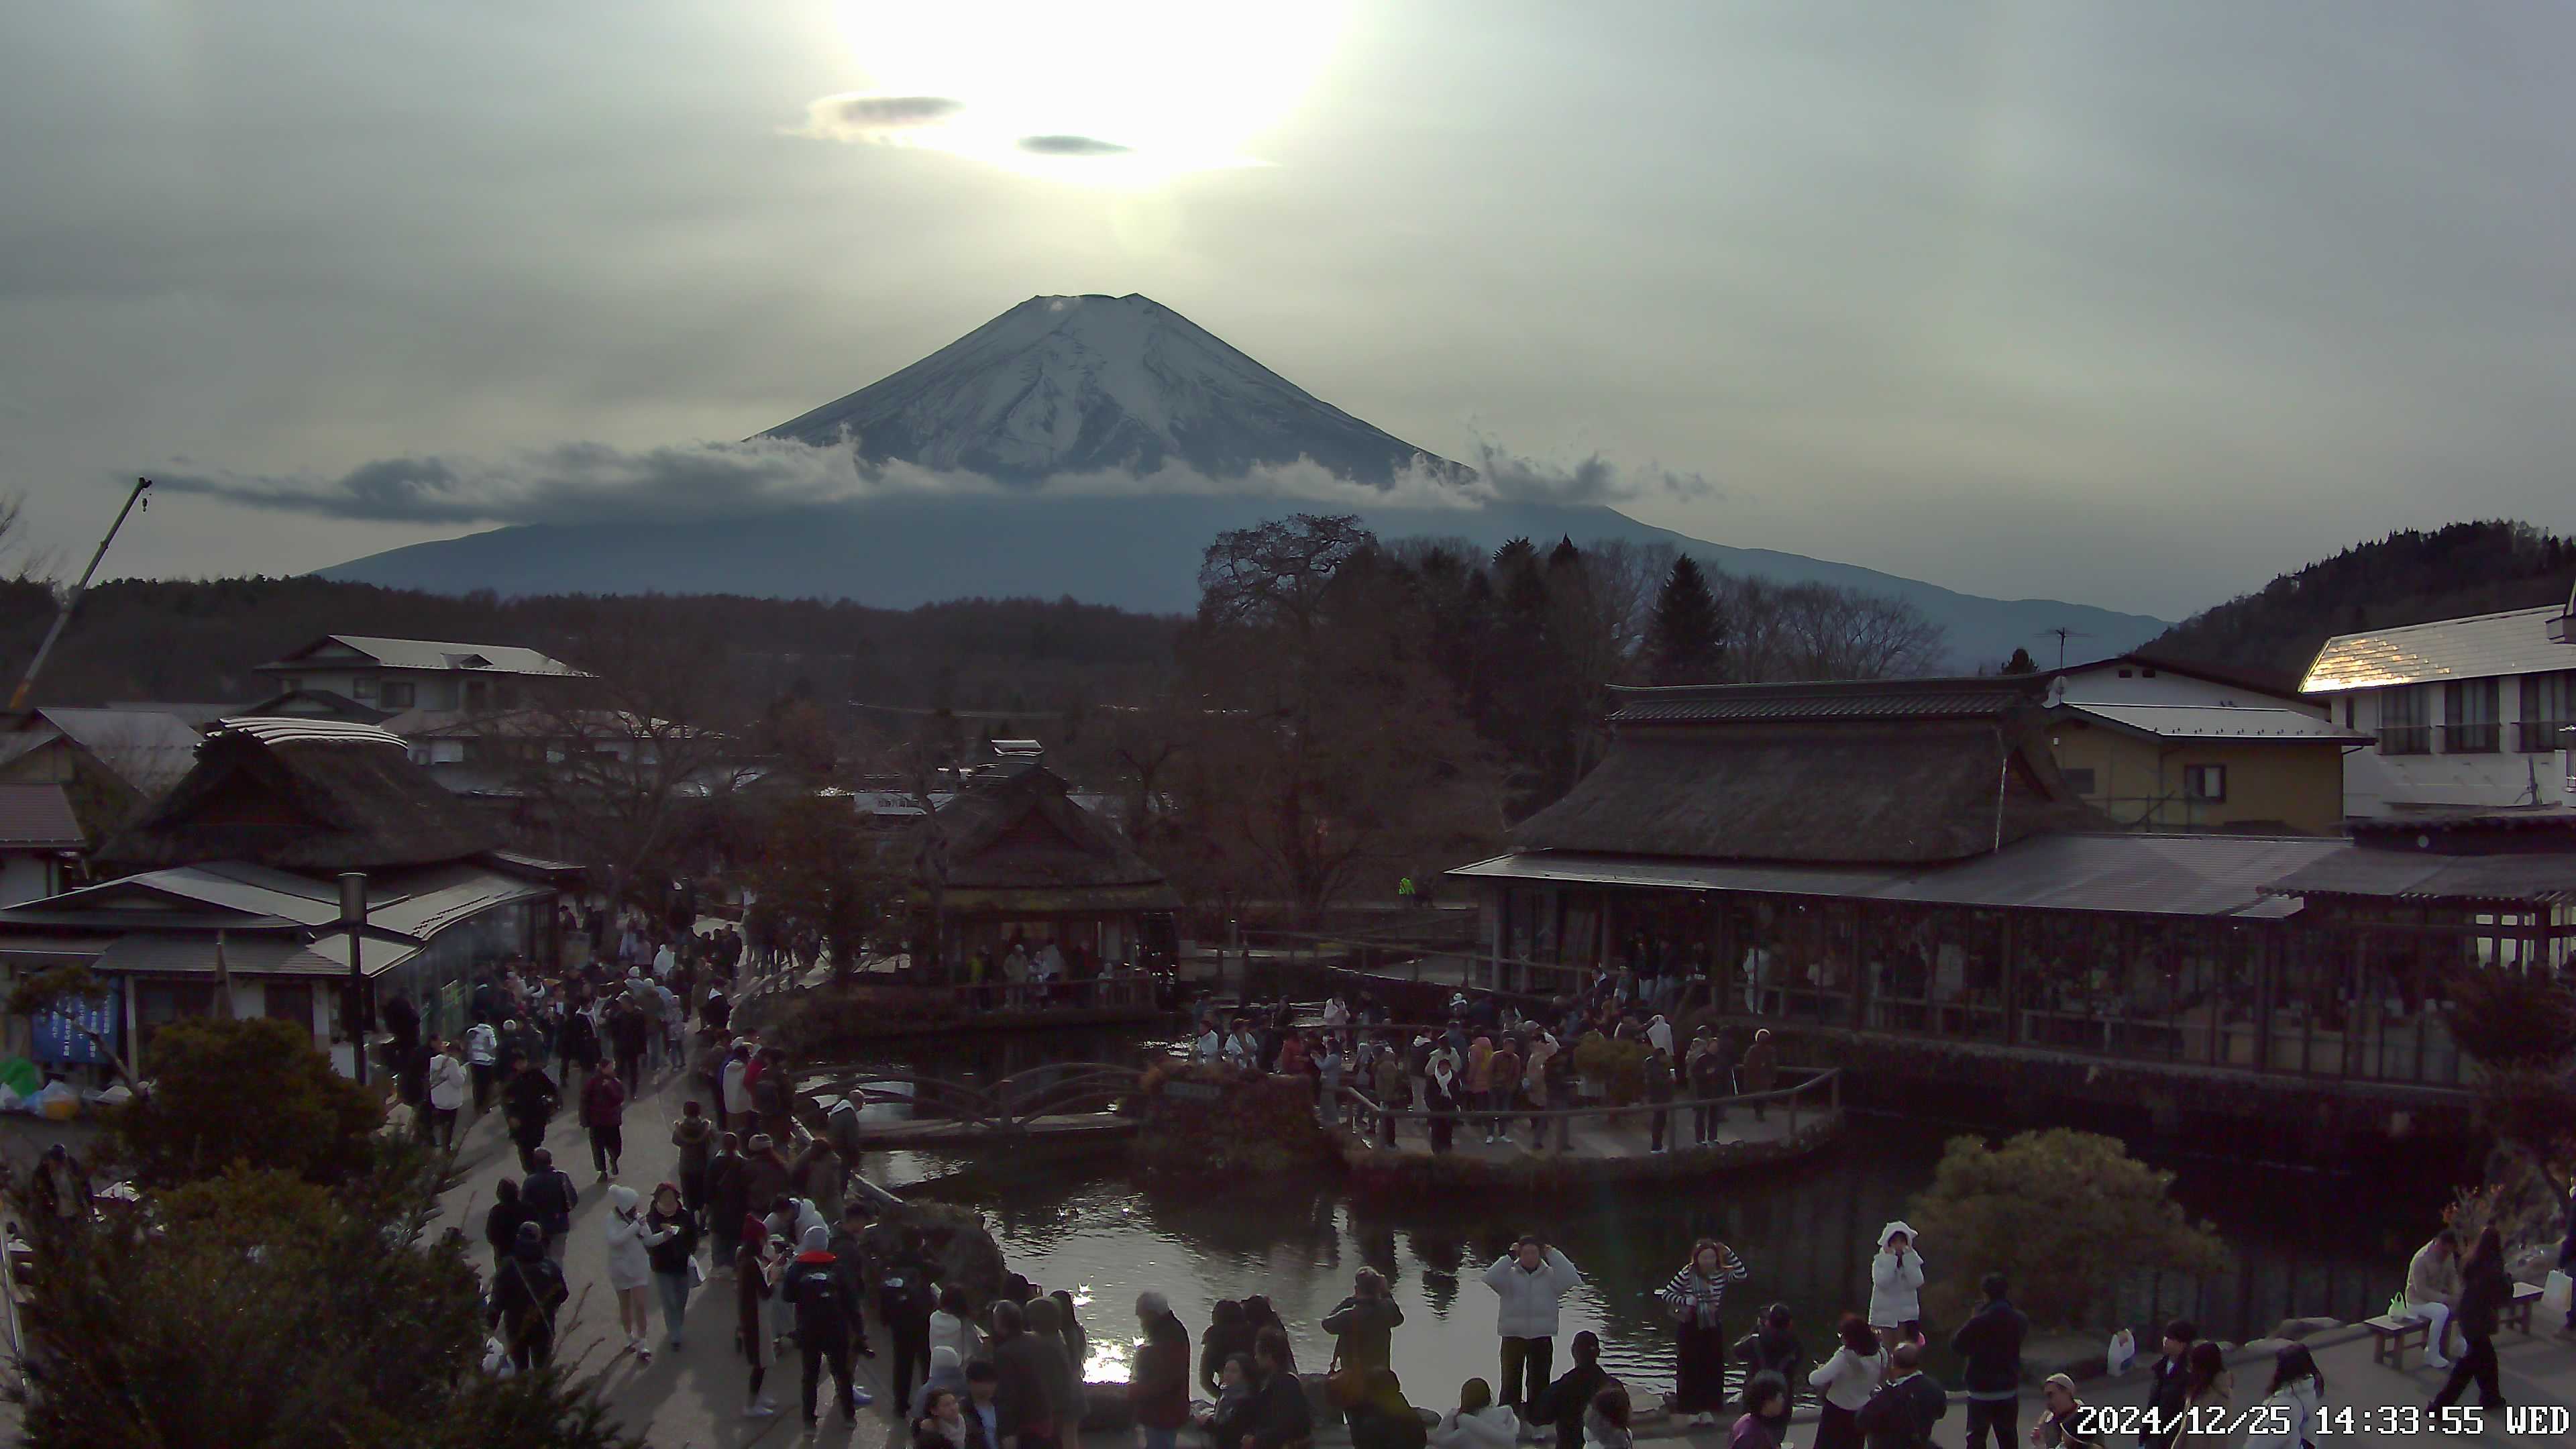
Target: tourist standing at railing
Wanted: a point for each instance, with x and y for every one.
(1529, 1283)
(1656, 1074)
(1242, 1047)
(1537, 1067)
(1328, 1083)
(1695, 1297)
(1394, 1090)
(1761, 1070)
(1896, 1286)
(1710, 1076)
(1440, 1088)
(1503, 1087)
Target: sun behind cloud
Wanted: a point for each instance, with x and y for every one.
(1119, 92)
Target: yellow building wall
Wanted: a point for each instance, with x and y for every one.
(2139, 782)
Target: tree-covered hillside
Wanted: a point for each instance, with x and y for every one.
(2406, 578)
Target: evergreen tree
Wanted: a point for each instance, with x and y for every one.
(2021, 662)
(1686, 643)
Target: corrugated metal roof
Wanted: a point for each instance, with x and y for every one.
(2221, 722)
(2397, 874)
(37, 817)
(427, 654)
(1869, 699)
(148, 751)
(297, 730)
(2182, 875)
(2481, 646)
(153, 954)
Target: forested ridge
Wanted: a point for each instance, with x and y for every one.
(2408, 577)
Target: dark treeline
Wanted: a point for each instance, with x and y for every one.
(2405, 578)
(197, 641)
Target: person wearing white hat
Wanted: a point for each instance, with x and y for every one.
(1896, 1286)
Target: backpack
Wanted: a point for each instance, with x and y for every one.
(816, 1292)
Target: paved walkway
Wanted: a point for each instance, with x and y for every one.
(690, 1399)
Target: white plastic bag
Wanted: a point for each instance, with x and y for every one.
(2555, 1291)
(496, 1359)
(2122, 1353)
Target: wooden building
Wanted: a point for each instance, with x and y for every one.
(2157, 745)
(1022, 860)
(232, 893)
(1899, 875)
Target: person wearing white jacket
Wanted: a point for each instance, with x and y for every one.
(1896, 1286)
(630, 1268)
(446, 1093)
(1845, 1382)
(1478, 1422)
(1528, 1281)
(2288, 1415)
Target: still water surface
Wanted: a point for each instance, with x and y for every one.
(1805, 1230)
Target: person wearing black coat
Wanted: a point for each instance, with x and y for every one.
(2484, 1289)
(1562, 1403)
(1772, 1348)
(1901, 1414)
(1364, 1324)
(526, 1291)
(1027, 1408)
(530, 1103)
(1280, 1414)
(501, 1222)
(1227, 1334)
(1989, 1343)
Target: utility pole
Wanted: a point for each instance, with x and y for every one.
(71, 601)
(353, 914)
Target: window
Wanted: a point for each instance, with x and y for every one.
(2469, 717)
(397, 694)
(2204, 782)
(2405, 720)
(2079, 781)
(478, 694)
(2548, 710)
(362, 686)
(2348, 702)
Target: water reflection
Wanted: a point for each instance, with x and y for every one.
(1806, 1231)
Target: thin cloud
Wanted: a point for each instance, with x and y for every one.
(1072, 146)
(855, 117)
(573, 483)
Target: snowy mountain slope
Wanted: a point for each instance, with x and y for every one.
(1071, 385)
(1093, 384)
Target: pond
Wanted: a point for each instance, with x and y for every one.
(1806, 1231)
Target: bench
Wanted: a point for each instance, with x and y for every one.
(2389, 1335)
(2516, 1312)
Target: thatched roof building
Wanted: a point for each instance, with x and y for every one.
(1019, 857)
(1879, 772)
(302, 795)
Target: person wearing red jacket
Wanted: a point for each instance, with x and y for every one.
(603, 1112)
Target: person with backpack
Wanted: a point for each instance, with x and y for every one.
(826, 1313)
(1990, 1344)
(526, 1292)
(548, 1196)
(1901, 1414)
(603, 1116)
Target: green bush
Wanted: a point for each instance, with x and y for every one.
(253, 1093)
(2065, 1215)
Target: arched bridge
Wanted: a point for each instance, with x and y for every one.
(1058, 1102)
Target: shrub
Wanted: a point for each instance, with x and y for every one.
(253, 1093)
(2065, 1215)
(2511, 1020)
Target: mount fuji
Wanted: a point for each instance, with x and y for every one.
(1062, 391)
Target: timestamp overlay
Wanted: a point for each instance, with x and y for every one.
(2358, 1424)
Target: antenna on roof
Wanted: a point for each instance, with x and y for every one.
(2062, 634)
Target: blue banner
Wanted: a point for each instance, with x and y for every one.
(57, 1040)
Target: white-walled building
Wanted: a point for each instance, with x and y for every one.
(2471, 713)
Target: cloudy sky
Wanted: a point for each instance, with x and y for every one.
(2134, 304)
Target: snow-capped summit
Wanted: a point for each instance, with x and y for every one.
(1063, 385)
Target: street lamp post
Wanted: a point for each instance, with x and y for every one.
(353, 915)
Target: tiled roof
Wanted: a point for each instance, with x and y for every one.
(2221, 722)
(2482, 646)
(1857, 700)
(2409, 875)
(37, 817)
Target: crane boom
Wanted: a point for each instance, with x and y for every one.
(71, 601)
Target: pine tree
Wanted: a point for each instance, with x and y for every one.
(2021, 663)
(1686, 643)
